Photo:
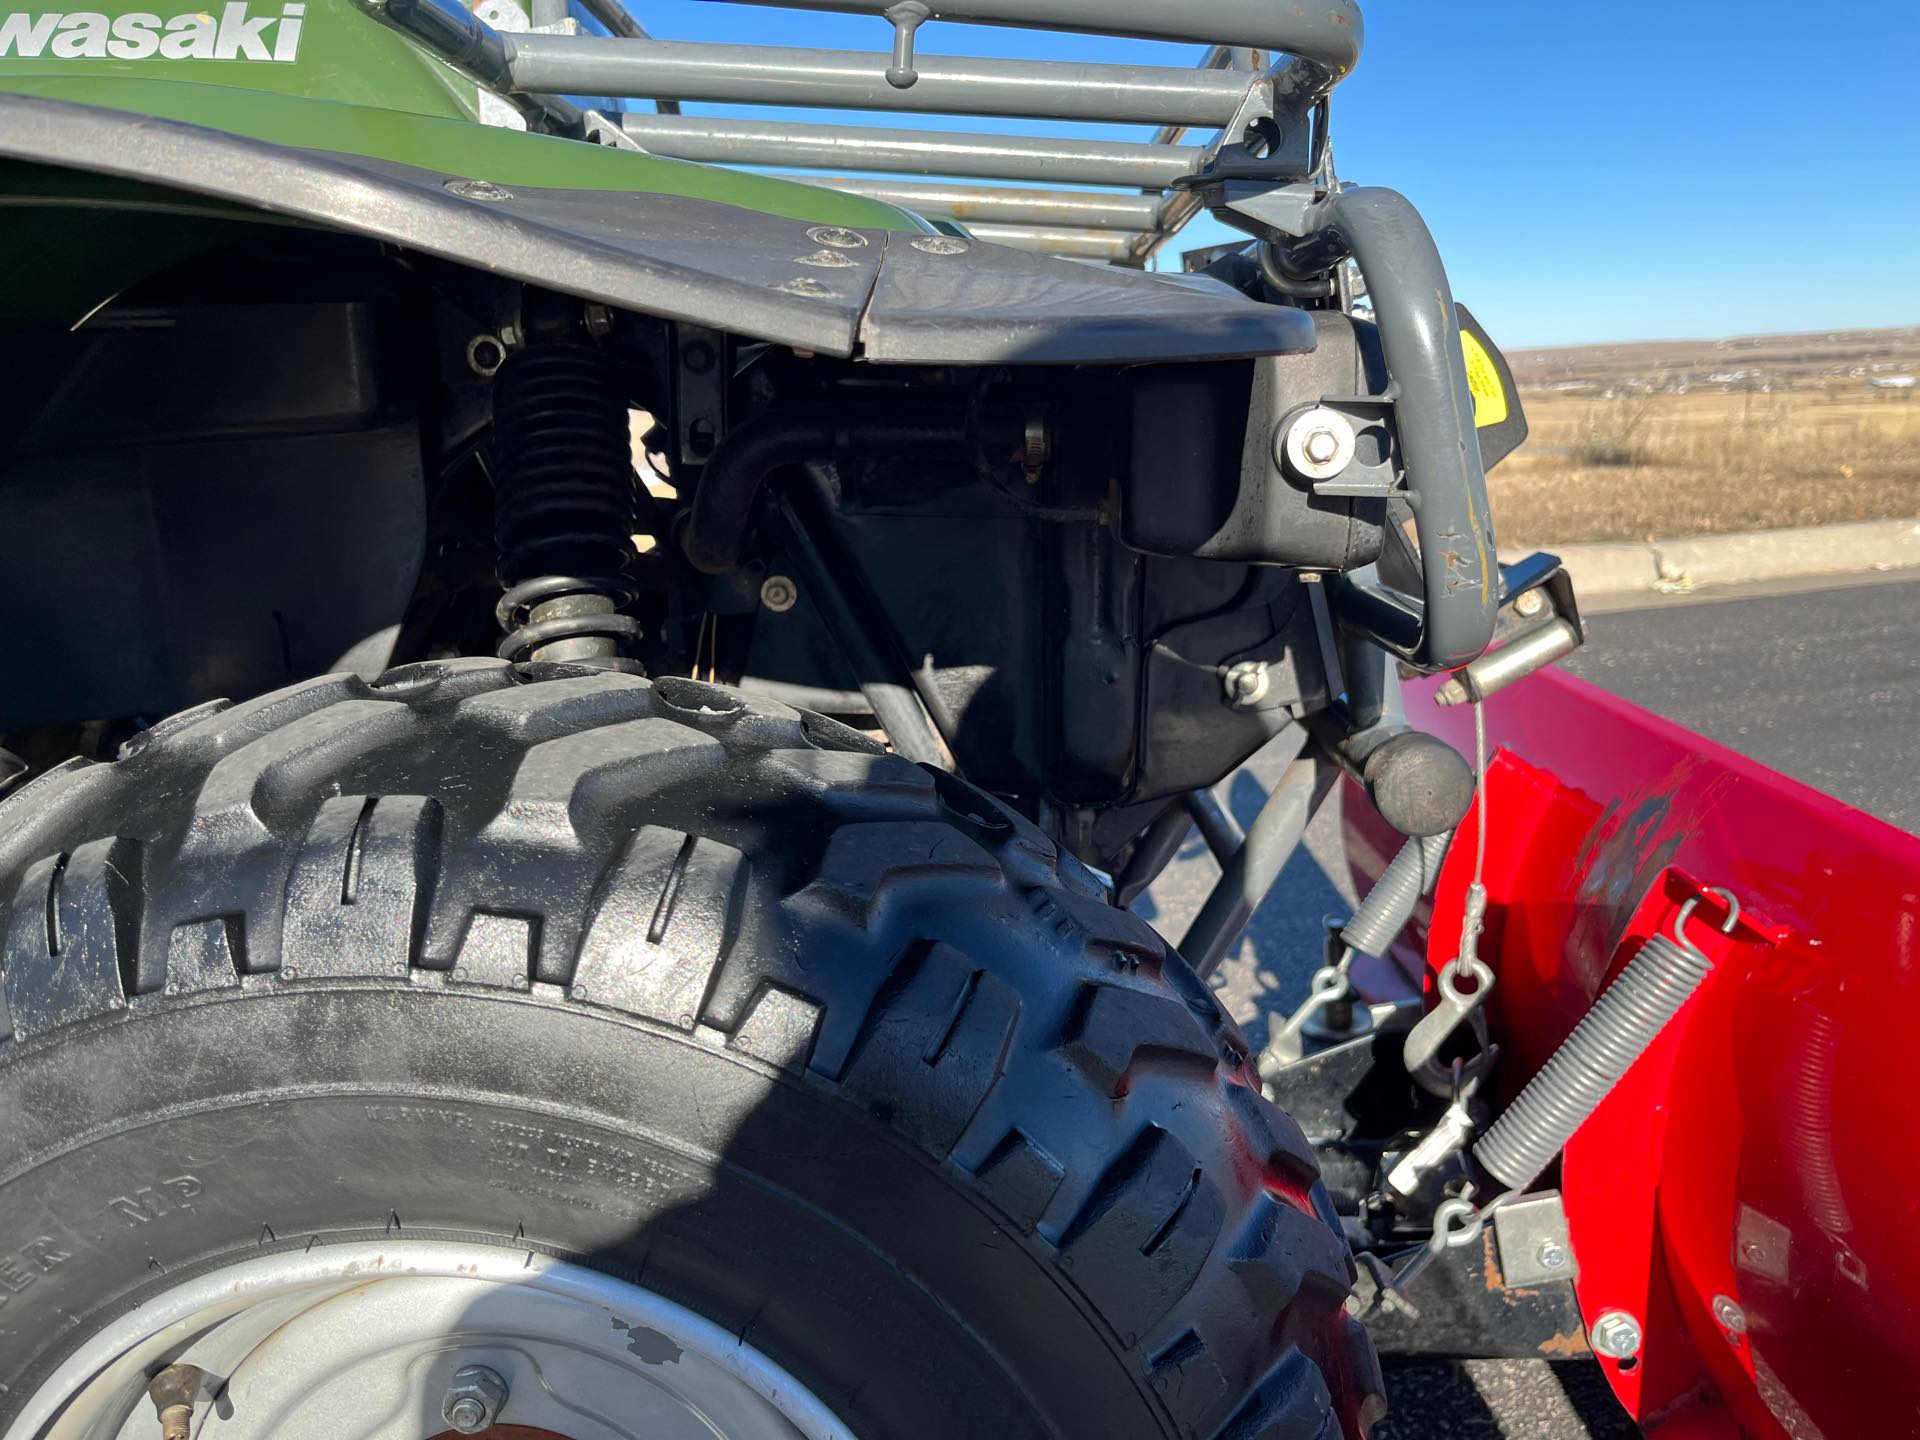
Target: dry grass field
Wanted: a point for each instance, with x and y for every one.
(1659, 440)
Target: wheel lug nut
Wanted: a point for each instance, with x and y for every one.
(474, 1399)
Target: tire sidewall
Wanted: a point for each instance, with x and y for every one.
(184, 1136)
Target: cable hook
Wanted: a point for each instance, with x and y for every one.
(1727, 897)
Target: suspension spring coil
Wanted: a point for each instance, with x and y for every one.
(1623, 1022)
(564, 508)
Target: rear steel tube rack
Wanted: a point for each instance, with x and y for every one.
(1327, 33)
(1134, 164)
(1142, 204)
(857, 80)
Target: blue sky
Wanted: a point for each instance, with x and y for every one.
(1594, 169)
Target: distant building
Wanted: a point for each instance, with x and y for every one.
(1892, 382)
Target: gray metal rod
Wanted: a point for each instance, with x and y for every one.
(1220, 830)
(1049, 209)
(1174, 211)
(1420, 334)
(1074, 244)
(1271, 842)
(888, 689)
(1328, 32)
(914, 152)
(1152, 853)
(614, 15)
(857, 80)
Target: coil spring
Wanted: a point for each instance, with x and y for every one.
(564, 508)
(1391, 902)
(1623, 1022)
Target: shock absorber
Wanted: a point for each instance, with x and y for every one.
(564, 508)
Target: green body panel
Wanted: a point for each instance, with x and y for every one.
(353, 86)
(340, 52)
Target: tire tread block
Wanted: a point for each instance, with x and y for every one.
(1140, 1239)
(357, 892)
(497, 950)
(205, 955)
(661, 926)
(779, 1028)
(69, 938)
(1112, 1026)
(1277, 1248)
(934, 1044)
(1291, 1402)
(1189, 1381)
(1020, 1178)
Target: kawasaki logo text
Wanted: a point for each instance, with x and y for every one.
(137, 35)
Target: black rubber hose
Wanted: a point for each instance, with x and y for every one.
(714, 539)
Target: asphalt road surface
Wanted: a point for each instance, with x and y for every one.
(1821, 684)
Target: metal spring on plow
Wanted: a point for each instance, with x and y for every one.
(1623, 1022)
(564, 508)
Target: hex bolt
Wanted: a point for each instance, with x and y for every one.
(779, 594)
(1732, 1318)
(1321, 446)
(1248, 683)
(1529, 604)
(1615, 1334)
(1317, 444)
(485, 355)
(1551, 1255)
(474, 1400)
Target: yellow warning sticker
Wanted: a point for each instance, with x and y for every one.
(1483, 379)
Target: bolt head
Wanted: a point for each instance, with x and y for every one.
(837, 237)
(1552, 1255)
(479, 190)
(1615, 1334)
(1316, 444)
(1529, 604)
(474, 1399)
(468, 1416)
(779, 594)
(1732, 1318)
(1248, 682)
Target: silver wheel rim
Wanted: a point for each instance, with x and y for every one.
(360, 1342)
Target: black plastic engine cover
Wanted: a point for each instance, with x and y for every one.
(1204, 480)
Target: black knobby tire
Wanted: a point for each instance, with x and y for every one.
(830, 1048)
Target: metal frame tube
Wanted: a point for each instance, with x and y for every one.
(1329, 33)
(1075, 244)
(1271, 842)
(883, 678)
(857, 80)
(1152, 853)
(1048, 209)
(1220, 830)
(914, 152)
